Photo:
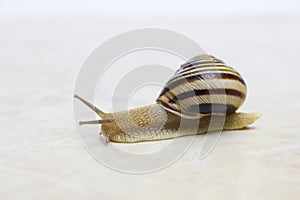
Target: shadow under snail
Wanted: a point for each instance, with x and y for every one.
(203, 91)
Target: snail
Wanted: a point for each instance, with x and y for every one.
(203, 91)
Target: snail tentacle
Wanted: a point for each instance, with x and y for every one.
(100, 121)
(91, 106)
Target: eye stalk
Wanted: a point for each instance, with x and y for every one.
(91, 106)
(94, 108)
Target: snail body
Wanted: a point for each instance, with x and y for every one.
(203, 95)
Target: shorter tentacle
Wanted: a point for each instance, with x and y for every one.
(101, 121)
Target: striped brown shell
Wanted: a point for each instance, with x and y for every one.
(203, 86)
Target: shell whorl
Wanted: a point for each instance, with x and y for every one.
(203, 86)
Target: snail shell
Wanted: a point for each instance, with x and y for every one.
(203, 86)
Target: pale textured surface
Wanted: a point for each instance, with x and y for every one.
(40, 152)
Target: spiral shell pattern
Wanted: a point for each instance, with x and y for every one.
(203, 86)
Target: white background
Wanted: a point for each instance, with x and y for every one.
(44, 43)
(136, 8)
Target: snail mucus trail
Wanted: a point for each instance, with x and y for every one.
(203, 91)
